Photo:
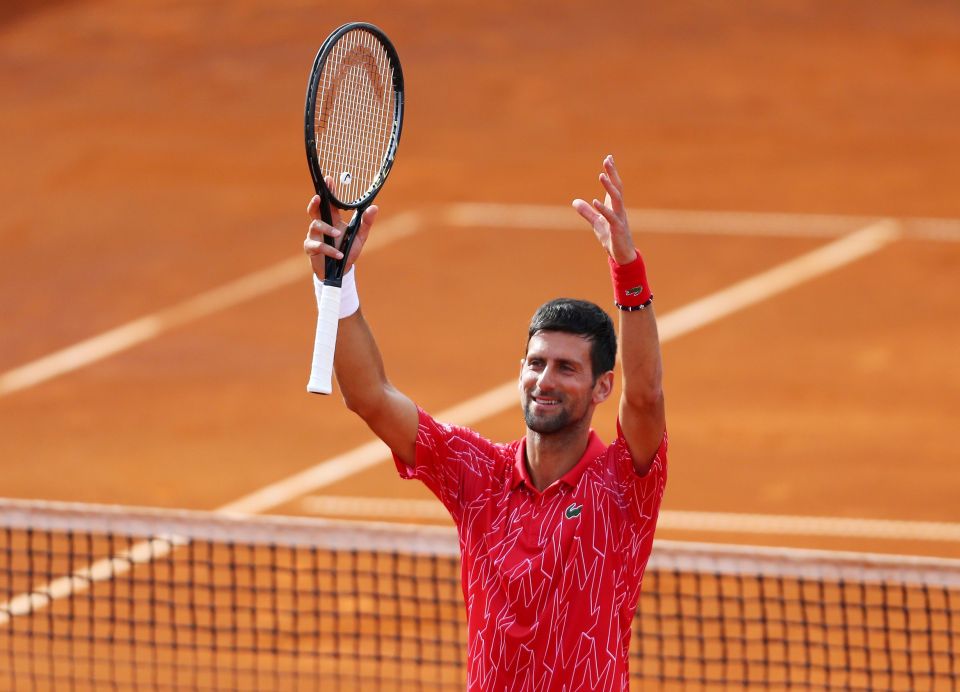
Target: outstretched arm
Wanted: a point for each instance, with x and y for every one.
(642, 416)
(357, 361)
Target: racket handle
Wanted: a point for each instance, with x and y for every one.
(328, 319)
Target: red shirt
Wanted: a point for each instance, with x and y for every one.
(551, 580)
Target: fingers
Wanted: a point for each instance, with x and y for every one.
(594, 211)
(611, 169)
(600, 225)
(316, 248)
(366, 223)
(585, 210)
(614, 195)
(613, 210)
(314, 244)
(313, 208)
(610, 180)
(317, 229)
(606, 212)
(609, 218)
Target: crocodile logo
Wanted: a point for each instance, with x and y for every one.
(573, 511)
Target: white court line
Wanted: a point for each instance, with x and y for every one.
(125, 337)
(465, 215)
(677, 520)
(784, 525)
(697, 314)
(366, 455)
(374, 507)
(778, 279)
(80, 580)
(487, 215)
(728, 223)
(672, 325)
(216, 300)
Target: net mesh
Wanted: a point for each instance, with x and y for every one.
(354, 114)
(104, 597)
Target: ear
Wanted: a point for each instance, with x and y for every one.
(603, 388)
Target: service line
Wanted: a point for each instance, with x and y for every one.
(406, 510)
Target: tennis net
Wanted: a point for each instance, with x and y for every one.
(95, 597)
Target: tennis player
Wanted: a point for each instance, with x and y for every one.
(555, 528)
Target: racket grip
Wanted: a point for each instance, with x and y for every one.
(328, 319)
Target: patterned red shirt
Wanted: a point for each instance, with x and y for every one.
(551, 580)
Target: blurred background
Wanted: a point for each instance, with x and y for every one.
(153, 152)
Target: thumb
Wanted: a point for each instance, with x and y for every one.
(366, 223)
(585, 210)
(369, 216)
(335, 218)
(588, 212)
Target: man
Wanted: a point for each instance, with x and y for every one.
(556, 528)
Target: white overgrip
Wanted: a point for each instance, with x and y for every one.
(328, 318)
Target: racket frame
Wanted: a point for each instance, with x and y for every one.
(321, 374)
(334, 267)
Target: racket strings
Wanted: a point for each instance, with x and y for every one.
(354, 114)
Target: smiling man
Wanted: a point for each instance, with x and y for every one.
(555, 528)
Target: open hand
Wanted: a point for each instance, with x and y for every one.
(609, 218)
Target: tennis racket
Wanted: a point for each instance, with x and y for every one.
(354, 114)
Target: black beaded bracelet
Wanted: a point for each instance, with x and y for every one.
(634, 308)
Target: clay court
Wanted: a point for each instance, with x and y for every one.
(793, 168)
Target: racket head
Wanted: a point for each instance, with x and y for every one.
(354, 114)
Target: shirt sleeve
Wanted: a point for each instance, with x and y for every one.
(642, 493)
(456, 463)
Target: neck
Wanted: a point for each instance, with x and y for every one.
(550, 456)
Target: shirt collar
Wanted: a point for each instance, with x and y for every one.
(595, 447)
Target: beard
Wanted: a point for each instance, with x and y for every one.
(547, 423)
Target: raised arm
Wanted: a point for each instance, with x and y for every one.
(642, 416)
(357, 362)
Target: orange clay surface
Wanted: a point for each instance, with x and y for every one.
(152, 151)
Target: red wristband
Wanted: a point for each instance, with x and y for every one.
(630, 288)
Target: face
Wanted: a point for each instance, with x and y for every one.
(557, 388)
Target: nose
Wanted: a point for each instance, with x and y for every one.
(545, 378)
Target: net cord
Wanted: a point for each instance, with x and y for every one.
(182, 525)
(884, 635)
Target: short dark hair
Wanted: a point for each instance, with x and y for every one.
(582, 318)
